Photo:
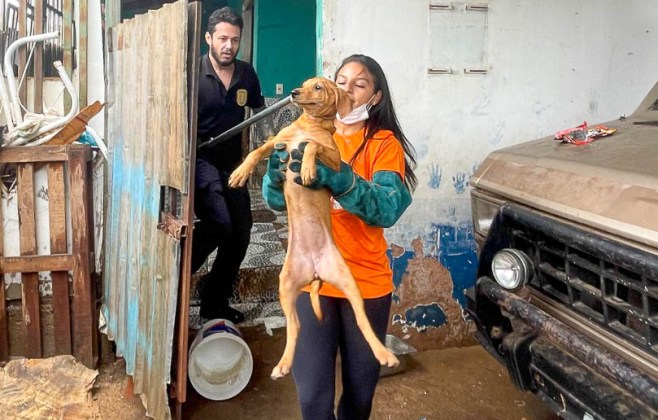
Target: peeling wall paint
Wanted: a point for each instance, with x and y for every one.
(540, 78)
(426, 308)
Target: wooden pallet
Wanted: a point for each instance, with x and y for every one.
(73, 301)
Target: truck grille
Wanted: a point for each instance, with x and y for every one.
(608, 282)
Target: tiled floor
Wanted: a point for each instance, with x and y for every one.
(256, 289)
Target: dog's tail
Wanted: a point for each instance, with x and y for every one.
(316, 284)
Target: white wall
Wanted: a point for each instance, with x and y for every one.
(95, 69)
(551, 65)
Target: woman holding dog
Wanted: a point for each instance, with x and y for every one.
(369, 193)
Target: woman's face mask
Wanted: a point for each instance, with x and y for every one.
(358, 114)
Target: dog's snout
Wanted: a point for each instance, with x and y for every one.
(295, 92)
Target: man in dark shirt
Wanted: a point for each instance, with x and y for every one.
(226, 86)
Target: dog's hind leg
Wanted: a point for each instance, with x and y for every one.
(334, 271)
(288, 293)
(295, 267)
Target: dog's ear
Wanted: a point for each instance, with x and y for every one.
(343, 102)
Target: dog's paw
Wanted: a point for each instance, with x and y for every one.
(280, 370)
(308, 175)
(237, 178)
(386, 358)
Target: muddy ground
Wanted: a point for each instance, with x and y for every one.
(457, 383)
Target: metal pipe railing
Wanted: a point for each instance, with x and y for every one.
(246, 123)
(16, 112)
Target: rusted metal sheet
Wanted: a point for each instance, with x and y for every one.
(148, 150)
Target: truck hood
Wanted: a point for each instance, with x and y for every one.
(610, 184)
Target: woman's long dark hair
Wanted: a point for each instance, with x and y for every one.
(382, 117)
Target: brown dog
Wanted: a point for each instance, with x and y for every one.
(312, 254)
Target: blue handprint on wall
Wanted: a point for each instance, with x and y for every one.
(452, 213)
(460, 182)
(435, 176)
(475, 167)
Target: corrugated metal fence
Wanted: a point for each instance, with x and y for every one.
(148, 207)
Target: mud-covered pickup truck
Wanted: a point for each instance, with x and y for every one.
(567, 289)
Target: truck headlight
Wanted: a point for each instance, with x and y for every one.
(511, 268)
(484, 212)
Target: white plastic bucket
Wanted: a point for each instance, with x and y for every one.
(220, 362)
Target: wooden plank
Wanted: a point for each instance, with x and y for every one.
(30, 289)
(35, 263)
(60, 278)
(94, 276)
(4, 325)
(38, 58)
(179, 387)
(74, 128)
(83, 328)
(23, 154)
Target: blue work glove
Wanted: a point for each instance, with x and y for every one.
(275, 177)
(379, 202)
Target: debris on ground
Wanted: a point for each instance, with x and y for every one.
(54, 388)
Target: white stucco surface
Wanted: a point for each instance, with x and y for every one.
(95, 70)
(551, 65)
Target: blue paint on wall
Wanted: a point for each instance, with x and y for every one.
(455, 244)
(425, 316)
(399, 267)
(422, 317)
(456, 251)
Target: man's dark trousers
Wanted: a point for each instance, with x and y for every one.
(225, 224)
